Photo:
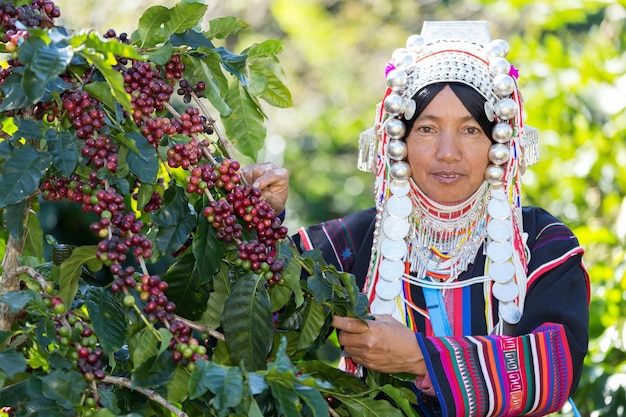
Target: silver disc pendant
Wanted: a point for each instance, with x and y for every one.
(499, 252)
(399, 188)
(498, 194)
(395, 228)
(399, 206)
(510, 312)
(498, 209)
(391, 270)
(388, 290)
(499, 230)
(505, 292)
(501, 273)
(380, 306)
(394, 250)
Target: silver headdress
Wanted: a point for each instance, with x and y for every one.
(460, 52)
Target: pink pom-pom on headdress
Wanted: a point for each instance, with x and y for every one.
(389, 67)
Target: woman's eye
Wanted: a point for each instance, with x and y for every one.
(472, 130)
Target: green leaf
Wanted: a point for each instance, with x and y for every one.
(107, 318)
(247, 322)
(44, 62)
(33, 245)
(101, 91)
(62, 146)
(401, 397)
(265, 49)
(334, 376)
(13, 92)
(114, 79)
(21, 174)
(369, 407)
(273, 89)
(144, 163)
(71, 268)
(160, 55)
(208, 249)
(187, 288)
(313, 399)
(156, 372)
(314, 319)
(14, 219)
(184, 16)
(175, 221)
(18, 299)
(223, 381)
(244, 126)
(217, 299)
(178, 388)
(143, 346)
(150, 31)
(320, 288)
(209, 71)
(223, 27)
(64, 387)
(288, 400)
(12, 363)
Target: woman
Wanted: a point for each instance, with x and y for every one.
(484, 301)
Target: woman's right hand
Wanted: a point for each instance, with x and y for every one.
(272, 180)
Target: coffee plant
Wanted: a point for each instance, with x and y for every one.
(141, 132)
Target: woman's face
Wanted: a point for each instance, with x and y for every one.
(447, 150)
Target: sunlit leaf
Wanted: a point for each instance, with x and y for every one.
(107, 318)
(222, 27)
(184, 16)
(71, 268)
(21, 173)
(247, 322)
(244, 127)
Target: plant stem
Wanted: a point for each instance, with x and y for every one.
(222, 138)
(150, 394)
(214, 333)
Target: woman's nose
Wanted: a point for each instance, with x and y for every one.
(447, 149)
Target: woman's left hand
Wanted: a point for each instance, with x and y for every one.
(383, 344)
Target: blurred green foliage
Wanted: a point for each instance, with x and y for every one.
(572, 61)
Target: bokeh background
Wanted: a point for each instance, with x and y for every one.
(571, 56)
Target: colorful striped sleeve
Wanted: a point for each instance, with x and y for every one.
(500, 375)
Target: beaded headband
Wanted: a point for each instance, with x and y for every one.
(460, 52)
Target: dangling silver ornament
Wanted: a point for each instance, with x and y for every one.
(397, 149)
(499, 65)
(506, 109)
(499, 153)
(494, 174)
(395, 128)
(502, 132)
(490, 111)
(400, 171)
(504, 85)
(497, 48)
(402, 58)
(394, 104)
(415, 43)
(396, 80)
(409, 109)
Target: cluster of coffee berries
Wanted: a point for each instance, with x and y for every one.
(185, 89)
(38, 14)
(149, 91)
(78, 337)
(85, 113)
(185, 348)
(190, 122)
(185, 155)
(102, 152)
(174, 69)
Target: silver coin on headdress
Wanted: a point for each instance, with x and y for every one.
(399, 206)
(499, 230)
(395, 228)
(380, 306)
(499, 252)
(510, 312)
(502, 272)
(506, 291)
(399, 188)
(391, 270)
(498, 209)
(388, 290)
(393, 250)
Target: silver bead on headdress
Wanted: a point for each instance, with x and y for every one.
(459, 52)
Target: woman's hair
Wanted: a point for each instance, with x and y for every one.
(473, 101)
